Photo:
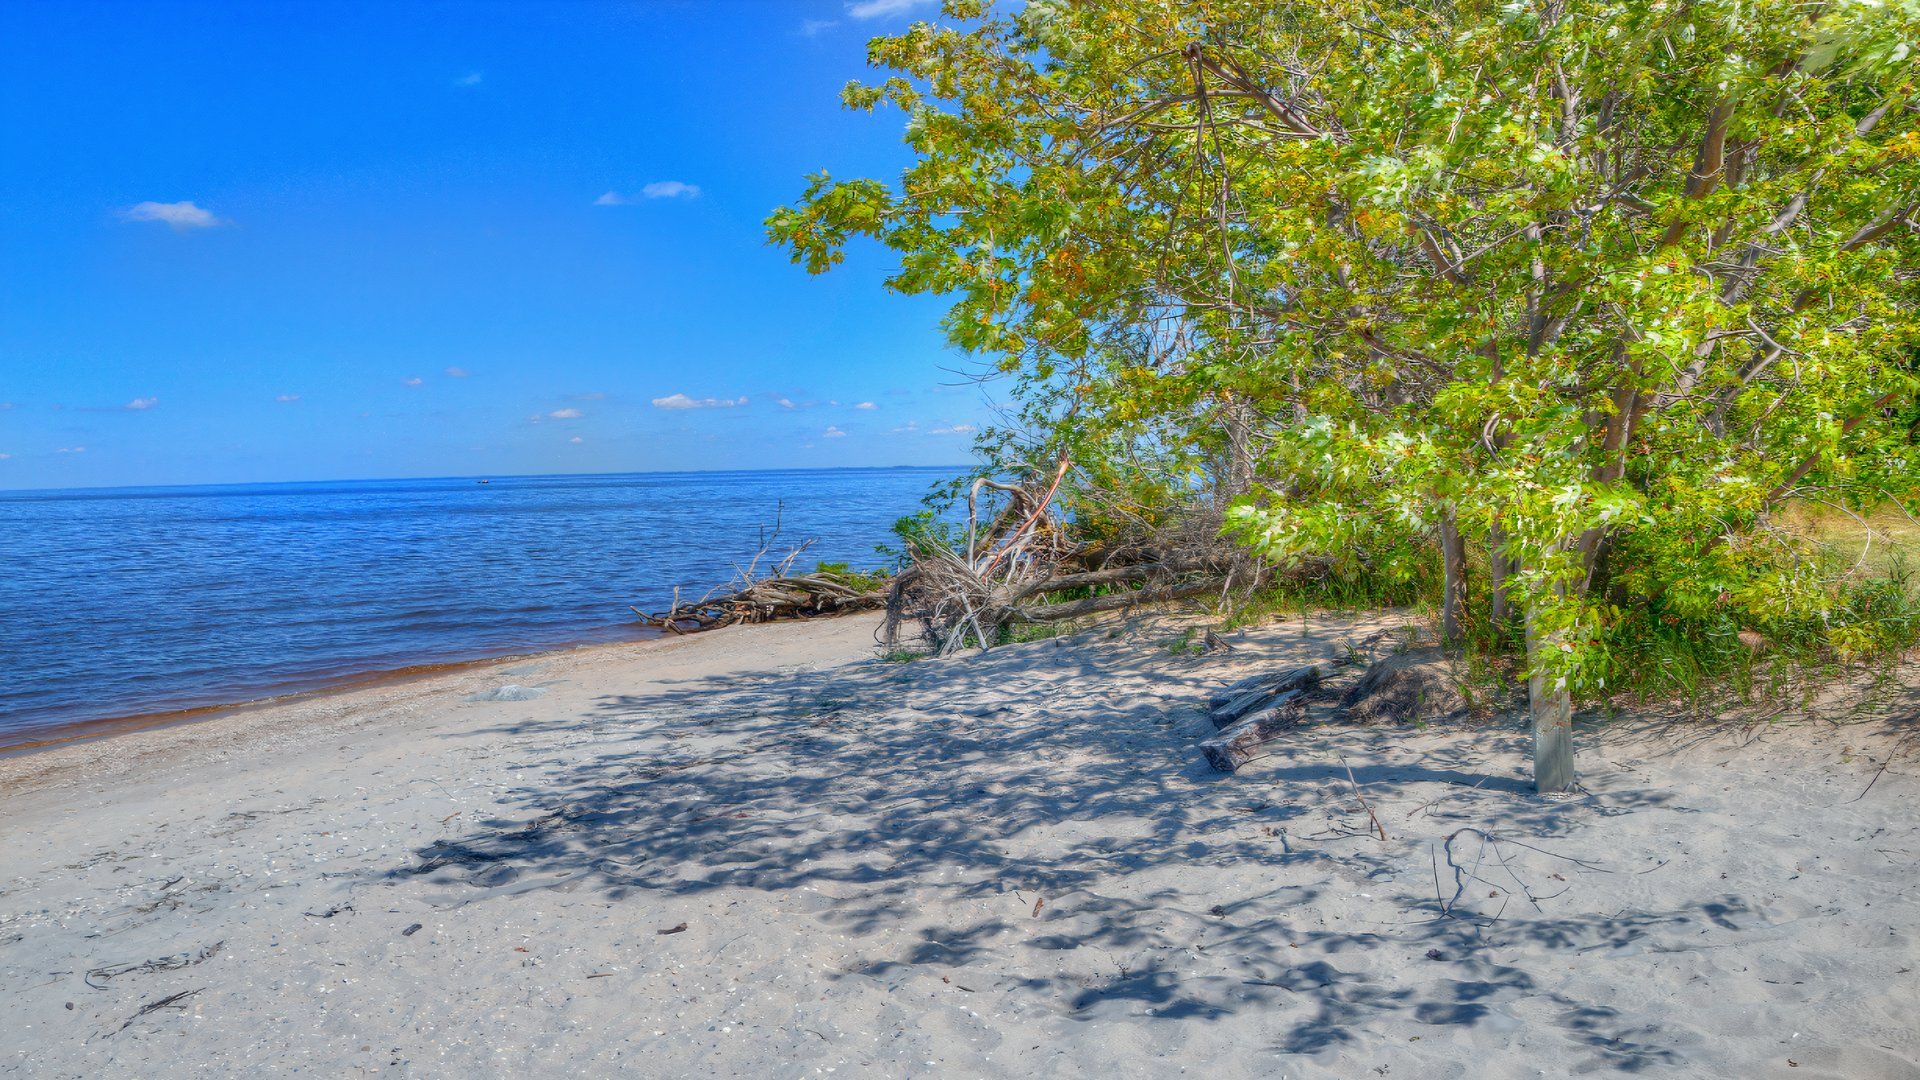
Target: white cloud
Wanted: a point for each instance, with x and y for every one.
(179, 216)
(4, 457)
(682, 401)
(141, 404)
(785, 404)
(415, 381)
(566, 414)
(576, 440)
(73, 450)
(812, 27)
(833, 433)
(880, 9)
(866, 405)
(456, 373)
(285, 398)
(469, 80)
(956, 429)
(659, 189)
(671, 189)
(907, 428)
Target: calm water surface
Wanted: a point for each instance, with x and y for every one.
(116, 602)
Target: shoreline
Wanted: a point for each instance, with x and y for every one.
(761, 851)
(15, 742)
(386, 704)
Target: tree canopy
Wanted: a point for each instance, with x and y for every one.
(1592, 286)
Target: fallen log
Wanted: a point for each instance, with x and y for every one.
(1228, 705)
(1094, 605)
(1242, 742)
(1112, 575)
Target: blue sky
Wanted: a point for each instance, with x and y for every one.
(264, 241)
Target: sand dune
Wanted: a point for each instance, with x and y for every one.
(759, 852)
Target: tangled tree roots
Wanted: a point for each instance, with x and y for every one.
(1010, 570)
(801, 596)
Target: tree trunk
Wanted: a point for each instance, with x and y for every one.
(1453, 589)
(1500, 569)
(1238, 480)
(1551, 709)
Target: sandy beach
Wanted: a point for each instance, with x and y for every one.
(762, 852)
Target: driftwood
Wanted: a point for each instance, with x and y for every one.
(801, 596)
(1243, 741)
(1003, 574)
(1094, 605)
(755, 597)
(1228, 706)
(1257, 710)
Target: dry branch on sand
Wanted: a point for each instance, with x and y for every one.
(787, 596)
(1231, 704)
(752, 597)
(1261, 709)
(1243, 740)
(1008, 572)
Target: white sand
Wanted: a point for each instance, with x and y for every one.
(1009, 865)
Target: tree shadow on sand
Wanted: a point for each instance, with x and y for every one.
(1037, 819)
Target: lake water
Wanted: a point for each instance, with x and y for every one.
(128, 601)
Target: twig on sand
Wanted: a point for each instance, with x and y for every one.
(1378, 828)
(1892, 752)
(1462, 875)
(148, 967)
(1438, 799)
(1525, 889)
(170, 1002)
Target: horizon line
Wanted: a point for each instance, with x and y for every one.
(468, 476)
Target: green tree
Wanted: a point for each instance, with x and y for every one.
(1596, 284)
